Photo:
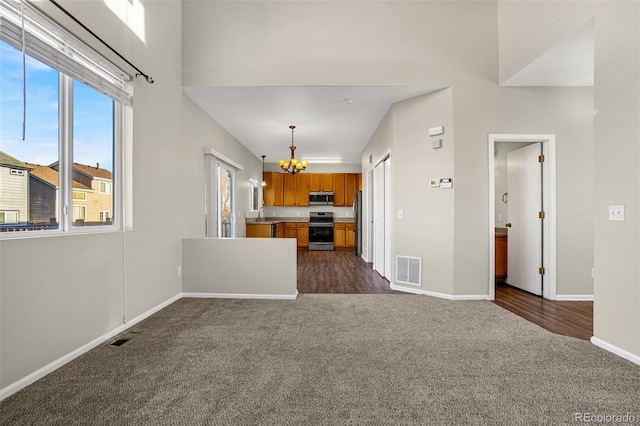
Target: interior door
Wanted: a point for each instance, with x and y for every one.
(524, 186)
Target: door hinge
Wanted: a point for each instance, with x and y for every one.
(540, 158)
(541, 215)
(541, 270)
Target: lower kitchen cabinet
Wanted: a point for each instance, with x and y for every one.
(299, 231)
(258, 230)
(344, 236)
(302, 232)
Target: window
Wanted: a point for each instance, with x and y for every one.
(71, 147)
(105, 187)
(79, 213)
(256, 195)
(9, 216)
(79, 196)
(220, 175)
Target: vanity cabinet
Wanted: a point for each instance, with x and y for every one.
(501, 242)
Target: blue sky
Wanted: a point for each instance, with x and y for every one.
(93, 115)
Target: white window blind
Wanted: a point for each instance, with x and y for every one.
(55, 46)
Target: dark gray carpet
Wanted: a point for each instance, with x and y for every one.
(333, 360)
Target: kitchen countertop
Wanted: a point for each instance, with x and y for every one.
(272, 220)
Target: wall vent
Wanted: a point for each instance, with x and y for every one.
(409, 270)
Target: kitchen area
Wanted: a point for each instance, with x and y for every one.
(319, 210)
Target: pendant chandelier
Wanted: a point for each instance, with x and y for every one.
(294, 165)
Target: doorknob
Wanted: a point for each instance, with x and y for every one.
(508, 225)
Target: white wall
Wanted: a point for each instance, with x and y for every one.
(616, 245)
(264, 267)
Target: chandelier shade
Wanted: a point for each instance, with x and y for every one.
(293, 165)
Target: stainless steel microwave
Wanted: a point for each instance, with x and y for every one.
(321, 198)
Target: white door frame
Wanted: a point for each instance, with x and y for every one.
(369, 216)
(549, 200)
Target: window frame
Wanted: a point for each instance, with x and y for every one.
(66, 224)
(255, 187)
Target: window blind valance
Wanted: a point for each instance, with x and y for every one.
(53, 45)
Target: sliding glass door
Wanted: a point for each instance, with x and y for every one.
(225, 196)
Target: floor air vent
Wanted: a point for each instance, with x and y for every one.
(119, 342)
(409, 270)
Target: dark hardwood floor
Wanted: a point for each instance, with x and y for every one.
(573, 319)
(338, 272)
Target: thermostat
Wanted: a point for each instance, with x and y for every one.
(446, 183)
(436, 131)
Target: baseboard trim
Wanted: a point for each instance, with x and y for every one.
(54, 365)
(616, 350)
(574, 297)
(440, 295)
(240, 296)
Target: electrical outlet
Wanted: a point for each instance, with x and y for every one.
(616, 213)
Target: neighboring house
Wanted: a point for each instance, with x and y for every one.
(14, 190)
(99, 202)
(43, 194)
(92, 193)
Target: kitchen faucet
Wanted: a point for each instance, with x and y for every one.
(259, 214)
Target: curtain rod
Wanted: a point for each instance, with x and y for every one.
(148, 78)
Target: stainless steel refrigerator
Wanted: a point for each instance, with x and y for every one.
(357, 215)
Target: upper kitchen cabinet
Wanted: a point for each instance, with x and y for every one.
(320, 182)
(345, 186)
(273, 192)
(302, 189)
(339, 189)
(351, 185)
(289, 189)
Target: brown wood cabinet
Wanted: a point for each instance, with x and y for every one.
(339, 235)
(258, 230)
(302, 233)
(351, 235)
(344, 236)
(501, 244)
(320, 182)
(289, 187)
(285, 189)
(339, 189)
(302, 189)
(345, 186)
(350, 187)
(273, 192)
(299, 231)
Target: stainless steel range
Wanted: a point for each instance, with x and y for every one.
(321, 231)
